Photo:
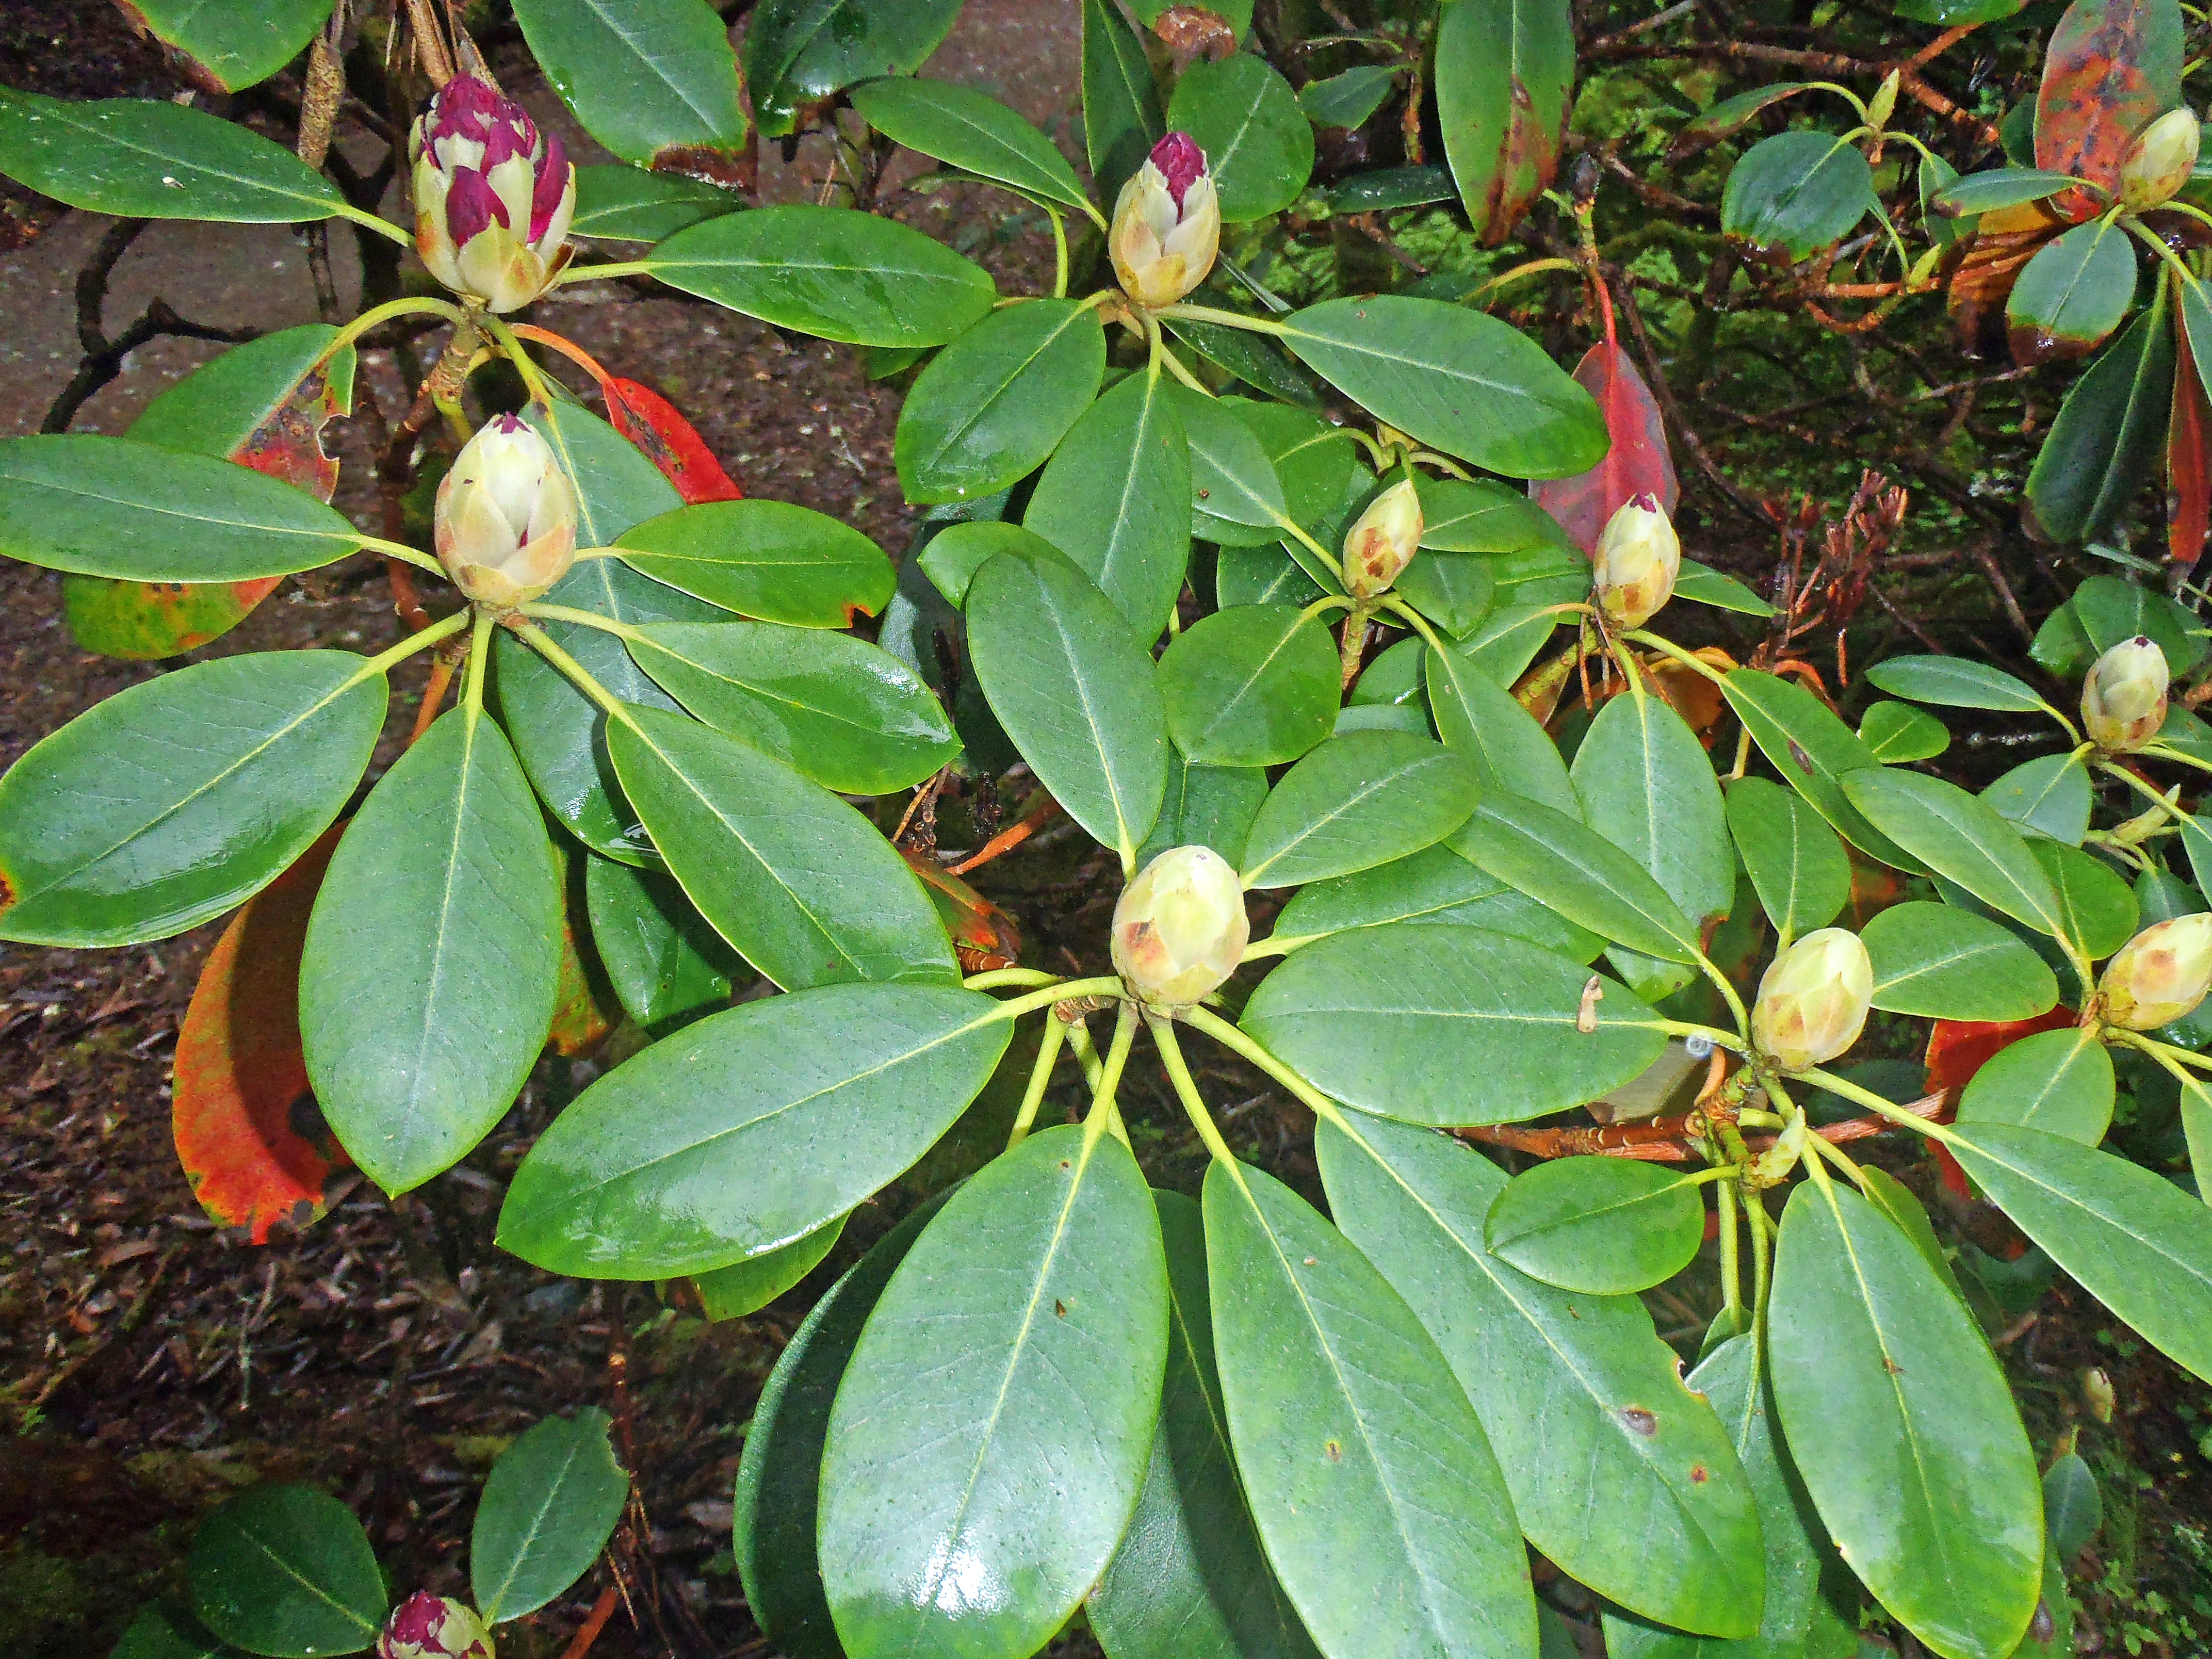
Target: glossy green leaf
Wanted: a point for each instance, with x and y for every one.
(1603, 1225)
(163, 1632)
(770, 560)
(2059, 1082)
(2073, 294)
(1809, 748)
(1121, 108)
(797, 879)
(1727, 115)
(1074, 687)
(2138, 1243)
(1561, 863)
(1259, 145)
(1560, 1380)
(1647, 785)
(548, 1508)
(1019, 1453)
(954, 555)
(1455, 591)
(1253, 685)
(1189, 1580)
(1253, 358)
(1358, 800)
(1896, 733)
(991, 406)
(845, 713)
(2072, 1508)
(1348, 99)
(747, 1286)
(745, 1131)
(1386, 188)
(1382, 1509)
(428, 978)
(1447, 1024)
(286, 1569)
(1900, 1422)
(1479, 516)
(1509, 750)
(1985, 192)
(649, 79)
(1319, 468)
(1236, 497)
(972, 132)
(1116, 498)
(1959, 836)
(2108, 433)
(1702, 585)
(629, 204)
(1434, 885)
(1466, 383)
(834, 272)
(1801, 871)
(1504, 76)
(1206, 806)
(2049, 795)
(233, 47)
(2111, 609)
(149, 159)
(115, 507)
(2096, 906)
(664, 960)
(114, 832)
(1944, 962)
(1796, 193)
(799, 51)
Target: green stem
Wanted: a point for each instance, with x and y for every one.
(2161, 752)
(1110, 1080)
(1292, 527)
(1820, 1146)
(1059, 249)
(1056, 1033)
(567, 613)
(445, 628)
(1176, 369)
(1415, 620)
(1728, 1040)
(1275, 944)
(1326, 602)
(524, 365)
(1203, 1019)
(1762, 1263)
(414, 307)
(1067, 991)
(1875, 1103)
(1086, 1052)
(1226, 318)
(1186, 1088)
(1711, 970)
(991, 979)
(1688, 659)
(404, 554)
(1731, 1258)
(479, 650)
(579, 676)
(600, 273)
(383, 226)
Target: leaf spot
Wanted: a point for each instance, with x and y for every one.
(1335, 1452)
(1060, 1308)
(1640, 1420)
(1700, 1473)
(1313, 1262)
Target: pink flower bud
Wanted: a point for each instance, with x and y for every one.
(505, 525)
(2123, 695)
(1813, 1000)
(427, 1626)
(2159, 163)
(1180, 929)
(1167, 225)
(1383, 541)
(2159, 975)
(1638, 556)
(493, 196)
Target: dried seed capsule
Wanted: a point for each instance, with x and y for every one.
(1813, 1000)
(1167, 224)
(2159, 975)
(2123, 695)
(505, 525)
(1638, 556)
(1383, 541)
(1180, 928)
(493, 196)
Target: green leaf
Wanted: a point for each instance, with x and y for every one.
(1604, 1225)
(1442, 1025)
(629, 204)
(1050, 1264)
(2073, 294)
(1121, 108)
(1727, 115)
(1702, 585)
(1253, 358)
(232, 48)
(1116, 498)
(991, 406)
(2108, 432)
(2111, 609)
(770, 560)
(1322, 478)
(1206, 806)
(1796, 193)
(1236, 497)
(1959, 836)
(834, 272)
(1997, 187)
(1073, 688)
(1479, 516)
(796, 879)
(429, 973)
(1455, 591)
(1942, 961)
(1434, 885)
(113, 831)
(1480, 719)
(1189, 1580)
(649, 79)
(745, 1287)
(1810, 748)
(1371, 1481)
(2096, 906)
(1563, 864)
(847, 714)
(1900, 1422)
(664, 960)
(2138, 1243)
(115, 507)
(1465, 383)
(1252, 685)
(745, 1131)
(1559, 1380)
(954, 555)
(799, 51)
(1799, 870)
(1647, 784)
(1259, 145)
(1348, 99)
(2059, 1082)
(1386, 188)
(1504, 75)
(143, 159)
(1358, 800)
(162, 1631)
(548, 1508)
(2072, 1508)
(971, 130)
(1896, 733)
(2050, 796)
(286, 1569)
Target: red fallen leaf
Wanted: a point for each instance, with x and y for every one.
(2188, 460)
(669, 441)
(249, 1135)
(2111, 68)
(1637, 464)
(984, 937)
(1957, 1048)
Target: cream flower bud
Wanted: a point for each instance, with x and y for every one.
(1813, 1000)
(427, 1626)
(493, 196)
(2123, 695)
(1381, 543)
(2159, 975)
(1167, 224)
(1638, 556)
(505, 521)
(2159, 163)
(1180, 929)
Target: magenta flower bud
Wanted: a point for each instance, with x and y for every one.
(493, 196)
(1167, 224)
(427, 1626)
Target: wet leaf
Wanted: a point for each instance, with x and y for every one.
(971, 130)
(799, 51)
(668, 440)
(227, 49)
(643, 76)
(286, 1569)
(1504, 74)
(549, 1507)
(1121, 107)
(1796, 193)
(2072, 295)
(630, 204)
(1259, 144)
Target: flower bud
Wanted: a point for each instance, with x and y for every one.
(2159, 163)
(2123, 695)
(505, 525)
(1638, 556)
(427, 1626)
(493, 195)
(2159, 975)
(1883, 104)
(1180, 928)
(1383, 542)
(1167, 224)
(2097, 1394)
(1813, 1000)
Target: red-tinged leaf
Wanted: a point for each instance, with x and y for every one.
(2005, 240)
(669, 441)
(984, 937)
(2189, 470)
(248, 1132)
(1637, 464)
(1504, 78)
(144, 622)
(580, 1019)
(2111, 68)
(1957, 1048)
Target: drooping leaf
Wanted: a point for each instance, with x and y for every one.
(1995, 189)
(2072, 295)
(2059, 1082)
(1943, 962)
(1358, 800)
(1121, 107)
(1637, 464)
(1347, 100)
(1563, 864)
(1726, 116)
(2108, 432)
(972, 132)
(1504, 74)
(226, 49)
(1251, 685)
(1480, 719)
(770, 560)
(549, 1506)
(668, 440)
(2189, 431)
(664, 960)
(654, 81)
(1602, 1225)
(2072, 1508)
(799, 51)
(1386, 188)
(992, 405)
(1647, 785)
(1801, 871)
(1959, 836)
(1794, 194)
(1434, 885)
(1259, 145)
(2108, 68)
(286, 1569)
(747, 1286)
(1701, 584)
